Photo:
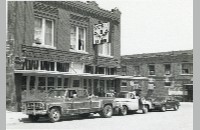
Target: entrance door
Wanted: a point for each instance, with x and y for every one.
(189, 89)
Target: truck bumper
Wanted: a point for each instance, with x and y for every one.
(35, 112)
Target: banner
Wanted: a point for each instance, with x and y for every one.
(101, 33)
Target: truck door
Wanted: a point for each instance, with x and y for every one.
(134, 102)
(81, 102)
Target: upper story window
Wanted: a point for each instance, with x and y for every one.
(104, 49)
(136, 70)
(110, 71)
(77, 38)
(167, 84)
(46, 65)
(44, 31)
(123, 68)
(187, 68)
(151, 69)
(62, 67)
(167, 69)
(88, 69)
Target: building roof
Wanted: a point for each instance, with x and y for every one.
(159, 54)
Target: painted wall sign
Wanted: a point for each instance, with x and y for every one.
(101, 33)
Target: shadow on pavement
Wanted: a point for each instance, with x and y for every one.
(67, 118)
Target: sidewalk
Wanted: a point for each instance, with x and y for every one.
(14, 117)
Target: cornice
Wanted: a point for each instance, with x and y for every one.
(81, 7)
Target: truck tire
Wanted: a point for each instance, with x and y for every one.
(123, 111)
(175, 107)
(54, 115)
(163, 108)
(33, 118)
(107, 111)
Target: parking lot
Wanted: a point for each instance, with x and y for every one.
(169, 120)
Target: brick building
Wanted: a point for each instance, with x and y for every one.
(169, 73)
(52, 44)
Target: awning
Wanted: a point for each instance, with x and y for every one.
(45, 72)
(140, 78)
(92, 75)
(57, 73)
(125, 77)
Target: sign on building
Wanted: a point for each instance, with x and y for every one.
(101, 33)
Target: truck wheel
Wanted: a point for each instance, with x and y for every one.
(33, 118)
(107, 111)
(123, 111)
(175, 107)
(54, 115)
(163, 109)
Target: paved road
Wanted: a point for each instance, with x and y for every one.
(170, 120)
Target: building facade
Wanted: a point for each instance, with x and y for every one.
(169, 73)
(61, 44)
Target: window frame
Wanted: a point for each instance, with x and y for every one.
(189, 73)
(77, 28)
(44, 19)
(166, 71)
(149, 71)
(105, 49)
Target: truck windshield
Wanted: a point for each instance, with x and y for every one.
(56, 93)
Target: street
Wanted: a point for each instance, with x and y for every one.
(169, 120)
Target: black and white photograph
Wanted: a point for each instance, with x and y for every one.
(99, 65)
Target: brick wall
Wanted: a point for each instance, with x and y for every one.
(159, 60)
(61, 16)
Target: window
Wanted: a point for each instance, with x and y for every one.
(136, 70)
(187, 68)
(151, 69)
(31, 65)
(123, 68)
(82, 93)
(85, 82)
(62, 67)
(110, 71)
(167, 69)
(124, 83)
(101, 70)
(76, 83)
(71, 93)
(104, 49)
(88, 69)
(167, 83)
(66, 82)
(59, 82)
(46, 65)
(41, 84)
(43, 31)
(77, 38)
(50, 81)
